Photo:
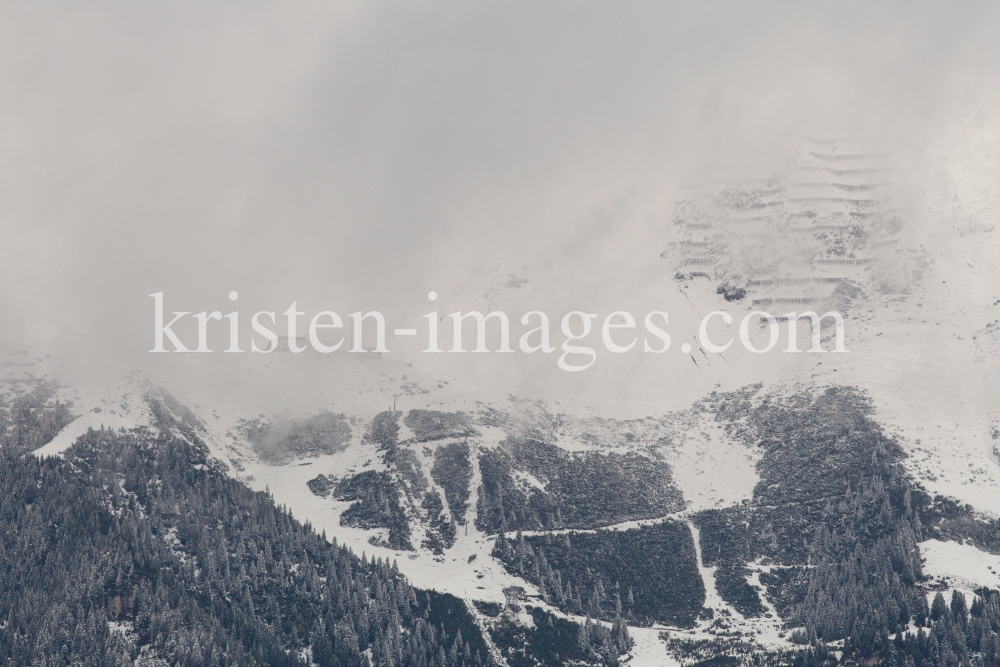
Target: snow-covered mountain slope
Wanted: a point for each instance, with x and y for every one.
(645, 453)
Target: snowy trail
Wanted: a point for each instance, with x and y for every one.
(712, 598)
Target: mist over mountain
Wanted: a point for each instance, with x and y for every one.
(778, 443)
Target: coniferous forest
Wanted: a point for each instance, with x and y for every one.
(136, 547)
(193, 568)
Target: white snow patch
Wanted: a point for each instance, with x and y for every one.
(712, 598)
(711, 469)
(529, 479)
(649, 649)
(452, 572)
(961, 566)
(122, 407)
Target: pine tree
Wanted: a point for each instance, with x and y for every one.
(938, 607)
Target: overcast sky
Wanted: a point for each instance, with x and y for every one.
(358, 154)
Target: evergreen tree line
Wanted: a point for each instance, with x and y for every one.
(828, 473)
(428, 425)
(550, 641)
(832, 492)
(376, 505)
(452, 471)
(596, 641)
(135, 546)
(644, 575)
(440, 534)
(952, 635)
(378, 495)
(582, 491)
(857, 586)
(31, 418)
(286, 437)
